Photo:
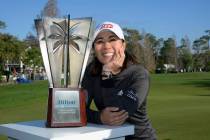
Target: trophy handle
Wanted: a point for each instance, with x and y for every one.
(83, 107)
(49, 108)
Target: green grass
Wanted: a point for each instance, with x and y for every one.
(23, 102)
(178, 105)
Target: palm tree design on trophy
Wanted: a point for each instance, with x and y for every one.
(65, 37)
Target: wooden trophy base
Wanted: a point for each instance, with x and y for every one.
(66, 107)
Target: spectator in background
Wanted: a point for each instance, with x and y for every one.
(14, 74)
(7, 72)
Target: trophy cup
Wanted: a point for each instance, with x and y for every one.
(65, 46)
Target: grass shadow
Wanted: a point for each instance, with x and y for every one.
(204, 95)
(201, 83)
(198, 83)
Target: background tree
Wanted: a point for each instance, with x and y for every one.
(134, 47)
(206, 50)
(204, 42)
(184, 55)
(10, 52)
(2, 25)
(201, 56)
(207, 38)
(197, 46)
(32, 54)
(207, 62)
(10, 49)
(158, 59)
(168, 52)
(32, 57)
(50, 9)
(198, 62)
(150, 54)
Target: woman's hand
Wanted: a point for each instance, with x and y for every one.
(115, 65)
(112, 116)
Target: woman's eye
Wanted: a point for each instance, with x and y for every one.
(99, 42)
(112, 39)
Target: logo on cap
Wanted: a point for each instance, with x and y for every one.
(105, 26)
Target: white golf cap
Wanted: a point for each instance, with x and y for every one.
(115, 28)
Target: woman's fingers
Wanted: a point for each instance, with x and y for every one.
(119, 117)
(107, 115)
(112, 109)
(120, 56)
(118, 113)
(111, 116)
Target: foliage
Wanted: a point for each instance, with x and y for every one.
(198, 62)
(50, 9)
(184, 55)
(10, 49)
(141, 46)
(1, 71)
(202, 55)
(2, 25)
(132, 38)
(168, 52)
(33, 57)
(208, 66)
(32, 54)
(150, 51)
(197, 46)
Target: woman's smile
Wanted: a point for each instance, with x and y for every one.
(108, 54)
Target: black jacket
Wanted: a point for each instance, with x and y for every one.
(128, 90)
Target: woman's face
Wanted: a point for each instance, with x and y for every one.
(107, 45)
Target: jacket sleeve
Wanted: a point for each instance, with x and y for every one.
(131, 93)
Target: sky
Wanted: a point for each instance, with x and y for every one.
(163, 18)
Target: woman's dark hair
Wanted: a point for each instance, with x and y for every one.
(96, 66)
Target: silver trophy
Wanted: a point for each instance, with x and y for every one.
(65, 46)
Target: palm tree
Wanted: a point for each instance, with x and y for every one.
(64, 37)
(61, 36)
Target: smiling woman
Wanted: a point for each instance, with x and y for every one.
(117, 84)
(109, 47)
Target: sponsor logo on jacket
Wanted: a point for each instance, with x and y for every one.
(129, 93)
